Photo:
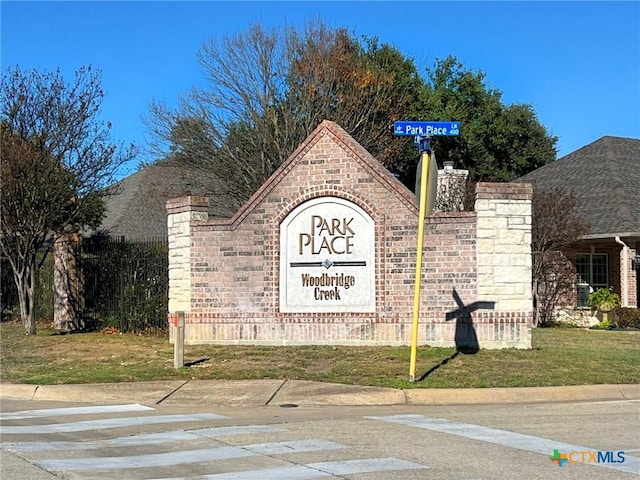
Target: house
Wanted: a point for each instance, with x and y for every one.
(604, 176)
(137, 210)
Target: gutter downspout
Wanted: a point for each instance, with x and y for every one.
(625, 272)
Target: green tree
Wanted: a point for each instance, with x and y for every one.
(497, 142)
(56, 162)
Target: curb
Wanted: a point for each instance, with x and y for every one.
(260, 393)
(571, 393)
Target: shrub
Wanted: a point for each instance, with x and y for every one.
(626, 317)
(604, 324)
(604, 299)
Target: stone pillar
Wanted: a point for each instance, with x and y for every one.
(68, 300)
(181, 212)
(452, 189)
(504, 245)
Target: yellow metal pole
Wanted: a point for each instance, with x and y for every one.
(426, 158)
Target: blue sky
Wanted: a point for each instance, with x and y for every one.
(576, 63)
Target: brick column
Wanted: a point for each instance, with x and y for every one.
(181, 212)
(504, 245)
(628, 276)
(634, 297)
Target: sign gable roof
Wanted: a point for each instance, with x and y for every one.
(353, 149)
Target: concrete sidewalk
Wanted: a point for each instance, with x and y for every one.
(248, 393)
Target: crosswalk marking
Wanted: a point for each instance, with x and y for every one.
(144, 439)
(84, 426)
(53, 412)
(188, 456)
(350, 467)
(504, 438)
(215, 432)
(140, 439)
(311, 471)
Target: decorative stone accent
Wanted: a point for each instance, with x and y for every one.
(578, 318)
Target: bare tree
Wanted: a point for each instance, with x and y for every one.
(266, 90)
(56, 161)
(555, 227)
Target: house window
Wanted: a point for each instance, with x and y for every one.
(593, 273)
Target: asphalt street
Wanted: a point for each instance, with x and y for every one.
(43, 440)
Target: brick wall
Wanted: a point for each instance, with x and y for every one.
(230, 285)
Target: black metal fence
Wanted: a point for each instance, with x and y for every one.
(125, 285)
(8, 291)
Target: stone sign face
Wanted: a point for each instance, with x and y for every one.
(327, 258)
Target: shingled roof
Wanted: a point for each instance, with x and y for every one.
(138, 209)
(605, 178)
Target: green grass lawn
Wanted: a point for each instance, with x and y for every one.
(558, 357)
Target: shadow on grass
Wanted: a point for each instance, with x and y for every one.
(436, 367)
(465, 337)
(196, 362)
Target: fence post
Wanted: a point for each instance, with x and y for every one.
(178, 340)
(121, 288)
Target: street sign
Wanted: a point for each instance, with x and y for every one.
(426, 187)
(426, 129)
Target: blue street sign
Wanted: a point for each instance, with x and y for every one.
(426, 129)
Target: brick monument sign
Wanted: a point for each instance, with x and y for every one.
(324, 253)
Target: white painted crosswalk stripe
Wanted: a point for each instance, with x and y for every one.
(144, 439)
(53, 412)
(104, 461)
(187, 456)
(505, 438)
(133, 440)
(87, 425)
(215, 432)
(313, 470)
(351, 467)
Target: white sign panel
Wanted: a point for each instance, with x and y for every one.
(327, 258)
